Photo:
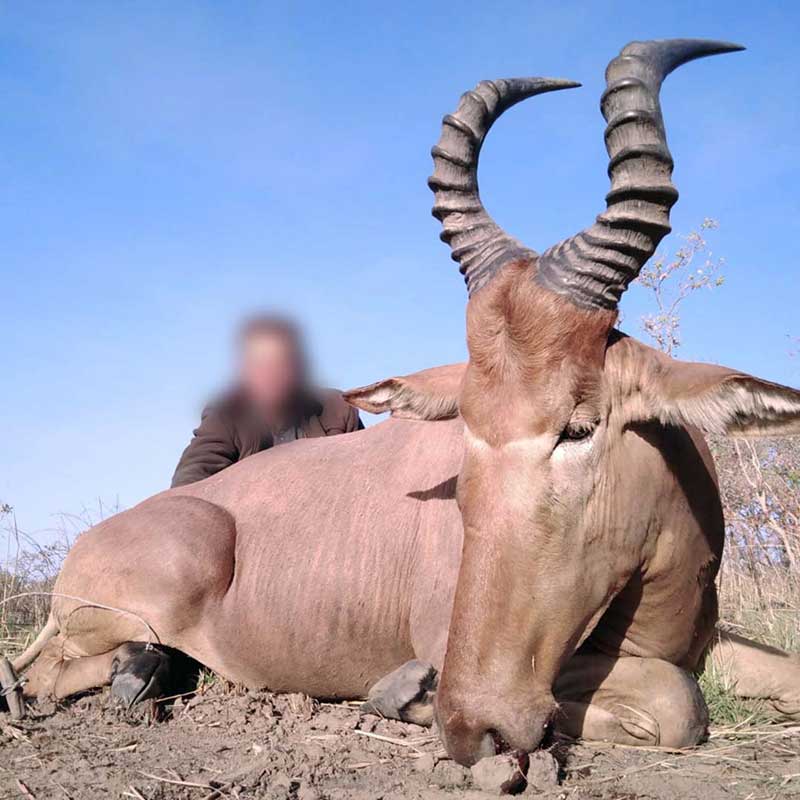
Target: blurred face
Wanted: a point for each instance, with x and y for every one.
(269, 371)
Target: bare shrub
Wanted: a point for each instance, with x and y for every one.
(673, 280)
(759, 480)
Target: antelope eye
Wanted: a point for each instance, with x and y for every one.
(578, 431)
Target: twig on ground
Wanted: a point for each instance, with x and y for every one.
(388, 740)
(177, 782)
(26, 792)
(665, 762)
(366, 764)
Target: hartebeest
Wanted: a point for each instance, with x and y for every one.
(554, 536)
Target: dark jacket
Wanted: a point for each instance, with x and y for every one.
(229, 431)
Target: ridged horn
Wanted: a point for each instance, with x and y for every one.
(595, 267)
(477, 242)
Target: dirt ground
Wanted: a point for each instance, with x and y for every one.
(225, 743)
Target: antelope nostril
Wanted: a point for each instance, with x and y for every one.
(548, 737)
(500, 744)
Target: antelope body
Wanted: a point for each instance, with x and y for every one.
(540, 524)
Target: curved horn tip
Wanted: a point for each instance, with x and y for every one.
(522, 88)
(562, 83)
(669, 54)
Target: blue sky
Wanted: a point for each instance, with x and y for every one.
(167, 167)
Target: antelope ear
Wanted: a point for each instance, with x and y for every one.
(721, 400)
(430, 394)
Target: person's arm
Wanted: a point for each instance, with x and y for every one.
(353, 421)
(213, 447)
(337, 415)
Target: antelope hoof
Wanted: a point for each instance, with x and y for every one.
(11, 689)
(405, 694)
(140, 673)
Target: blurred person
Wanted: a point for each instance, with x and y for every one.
(271, 402)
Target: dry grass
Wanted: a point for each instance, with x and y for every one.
(763, 604)
(28, 570)
(27, 567)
